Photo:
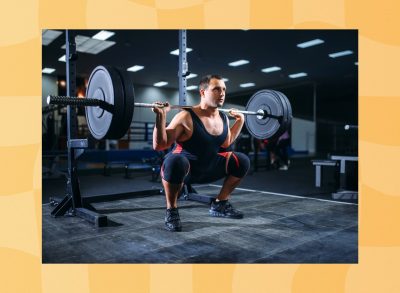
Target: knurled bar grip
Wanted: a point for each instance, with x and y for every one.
(75, 101)
(260, 112)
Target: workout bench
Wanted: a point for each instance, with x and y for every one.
(139, 160)
(318, 169)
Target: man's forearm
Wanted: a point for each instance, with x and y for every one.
(159, 133)
(235, 130)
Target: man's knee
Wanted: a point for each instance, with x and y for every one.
(175, 168)
(238, 164)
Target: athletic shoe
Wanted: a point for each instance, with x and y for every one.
(223, 208)
(284, 167)
(172, 220)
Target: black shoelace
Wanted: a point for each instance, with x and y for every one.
(173, 216)
(229, 207)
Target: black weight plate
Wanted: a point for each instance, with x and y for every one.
(290, 113)
(129, 95)
(263, 128)
(116, 131)
(104, 85)
(286, 119)
(289, 106)
(289, 110)
(283, 120)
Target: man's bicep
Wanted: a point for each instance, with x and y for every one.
(170, 136)
(174, 134)
(227, 141)
(174, 130)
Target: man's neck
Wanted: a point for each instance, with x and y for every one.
(207, 110)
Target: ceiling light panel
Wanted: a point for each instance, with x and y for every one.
(271, 69)
(340, 54)
(135, 68)
(91, 46)
(100, 47)
(297, 75)
(176, 52)
(48, 70)
(103, 35)
(49, 36)
(192, 75)
(160, 83)
(310, 43)
(238, 63)
(248, 84)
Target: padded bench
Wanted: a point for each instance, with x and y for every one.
(132, 160)
(318, 169)
(139, 160)
(136, 166)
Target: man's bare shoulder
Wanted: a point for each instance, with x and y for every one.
(180, 118)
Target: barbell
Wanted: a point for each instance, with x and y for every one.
(110, 103)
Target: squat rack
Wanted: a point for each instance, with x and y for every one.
(73, 204)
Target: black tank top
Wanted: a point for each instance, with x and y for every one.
(202, 146)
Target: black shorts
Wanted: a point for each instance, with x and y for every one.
(177, 168)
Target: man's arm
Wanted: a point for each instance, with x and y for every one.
(164, 137)
(234, 131)
(160, 137)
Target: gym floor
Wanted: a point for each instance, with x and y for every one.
(287, 220)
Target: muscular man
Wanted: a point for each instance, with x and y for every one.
(200, 135)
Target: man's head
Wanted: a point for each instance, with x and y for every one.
(212, 90)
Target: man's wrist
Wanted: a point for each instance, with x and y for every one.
(240, 118)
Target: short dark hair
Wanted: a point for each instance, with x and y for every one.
(205, 80)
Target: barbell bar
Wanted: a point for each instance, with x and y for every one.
(76, 101)
(261, 113)
(110, 106)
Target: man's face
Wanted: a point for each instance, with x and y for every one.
(214, 94)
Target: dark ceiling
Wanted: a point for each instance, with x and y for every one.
(335, 78)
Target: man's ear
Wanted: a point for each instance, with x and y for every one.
(201, 91)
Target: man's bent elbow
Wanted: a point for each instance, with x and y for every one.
(226, 145)
(159, 147)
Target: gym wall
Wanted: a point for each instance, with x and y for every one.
(303, 135)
